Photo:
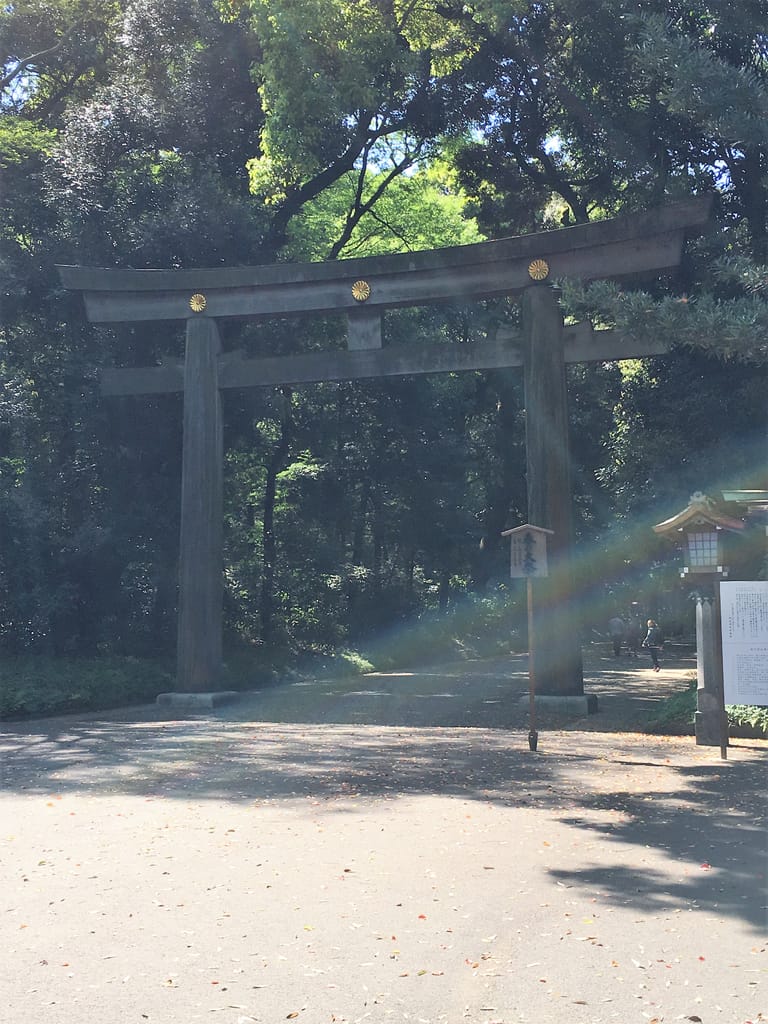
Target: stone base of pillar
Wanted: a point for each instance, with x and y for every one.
(577, 704)
(708, 729)
(196, 701)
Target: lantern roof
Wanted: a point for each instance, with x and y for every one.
(756, 501)
(529, 527)
(701, 511)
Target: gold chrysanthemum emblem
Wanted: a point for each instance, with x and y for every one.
(538, 270)
(197, 303)
(361, 291)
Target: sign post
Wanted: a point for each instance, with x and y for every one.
(528, 559)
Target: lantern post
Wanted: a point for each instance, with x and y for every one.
(699, 529)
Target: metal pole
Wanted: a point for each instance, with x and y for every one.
(533, 736)
(718, 638)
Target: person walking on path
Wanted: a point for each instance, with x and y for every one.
(616, 629)
(653, 643)
(635, 634)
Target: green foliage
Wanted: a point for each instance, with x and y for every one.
(50, 50)
(34, 685)
(409, 212)
(749, 715)
(325, 70)
(675, 715)
(350, 663)
(476, 627)
(335, 77)
(354, 663)
(689, 70)
(732, 328)
(21, 141)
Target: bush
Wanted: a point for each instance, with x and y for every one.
(675, 714)
(352, 663)
(749, 715)
(36, 685)
(42, 685)
(477, 627)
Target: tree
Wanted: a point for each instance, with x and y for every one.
(110, 154)
(338, 79)
(198, 133)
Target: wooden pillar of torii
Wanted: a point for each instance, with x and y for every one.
(364, 288)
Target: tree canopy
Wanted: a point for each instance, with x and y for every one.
(192, 133)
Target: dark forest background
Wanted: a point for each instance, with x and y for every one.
(365, 516)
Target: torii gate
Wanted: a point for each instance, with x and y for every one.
(364, 288)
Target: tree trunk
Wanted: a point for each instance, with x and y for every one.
(444, 592)
(751, 185)
(356, 558)
(269, 545)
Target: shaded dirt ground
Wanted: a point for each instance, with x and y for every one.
(384, 849)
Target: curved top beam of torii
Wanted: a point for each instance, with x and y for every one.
(638, 243)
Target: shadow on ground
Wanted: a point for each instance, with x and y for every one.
(458, 732)
(707, 819)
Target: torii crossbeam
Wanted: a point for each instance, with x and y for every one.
(364, 289)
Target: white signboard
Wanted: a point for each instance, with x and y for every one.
(529, 553)
(744, 616)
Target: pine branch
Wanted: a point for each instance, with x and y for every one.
(732, 329)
